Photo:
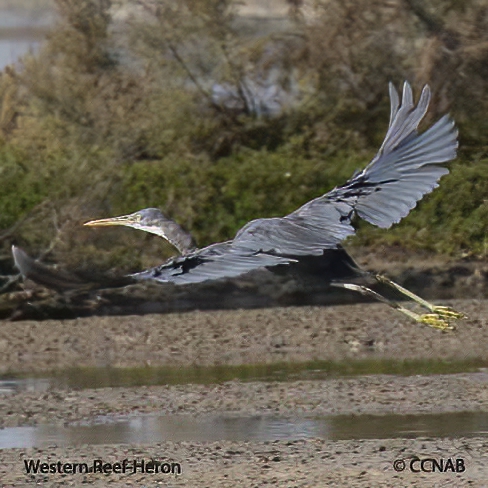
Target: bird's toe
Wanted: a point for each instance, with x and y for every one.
(436, 321)
(448, 312)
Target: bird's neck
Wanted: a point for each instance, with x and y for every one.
(175, 235)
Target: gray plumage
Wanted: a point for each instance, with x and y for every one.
(406, 168)
(61, 280)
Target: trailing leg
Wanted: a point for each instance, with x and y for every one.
(431, 319)
(447, 312)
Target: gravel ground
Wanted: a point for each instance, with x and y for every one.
(247, 337)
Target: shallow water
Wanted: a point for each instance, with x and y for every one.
(154, 429)
(81, 378)
(28, 384)
(158, 428)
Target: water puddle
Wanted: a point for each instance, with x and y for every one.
(29, 384)
(108, 377)
(154, 429)
(159, 428)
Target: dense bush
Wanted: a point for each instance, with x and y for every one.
(189, 107)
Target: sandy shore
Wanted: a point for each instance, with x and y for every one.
(367, 331)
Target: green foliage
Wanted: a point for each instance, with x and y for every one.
(22, 191)
(112, 116)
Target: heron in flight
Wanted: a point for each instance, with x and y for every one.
(407, 166)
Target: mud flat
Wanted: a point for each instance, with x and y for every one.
(343, 333)
(293, 334)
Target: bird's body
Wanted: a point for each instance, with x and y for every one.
(407, 166)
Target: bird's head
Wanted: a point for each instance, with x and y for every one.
(149, 220)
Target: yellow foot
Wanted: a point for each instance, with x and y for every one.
(448, 312)
(435, 320)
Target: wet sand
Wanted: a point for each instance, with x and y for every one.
(366, 331)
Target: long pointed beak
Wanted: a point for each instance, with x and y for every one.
(123, 220)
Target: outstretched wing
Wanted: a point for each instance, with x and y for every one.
(404, 170)
(406, 167)
(221, 260)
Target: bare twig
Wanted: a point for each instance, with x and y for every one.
(11, 280)
(54, 240)
(11, 231)
(192, 77)
(434, 24)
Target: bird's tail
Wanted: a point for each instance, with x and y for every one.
(62, 280)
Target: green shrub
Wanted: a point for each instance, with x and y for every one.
(21, 191)
(90, 127)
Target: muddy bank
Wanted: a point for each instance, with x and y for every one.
(270, 335)
(85, 294)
